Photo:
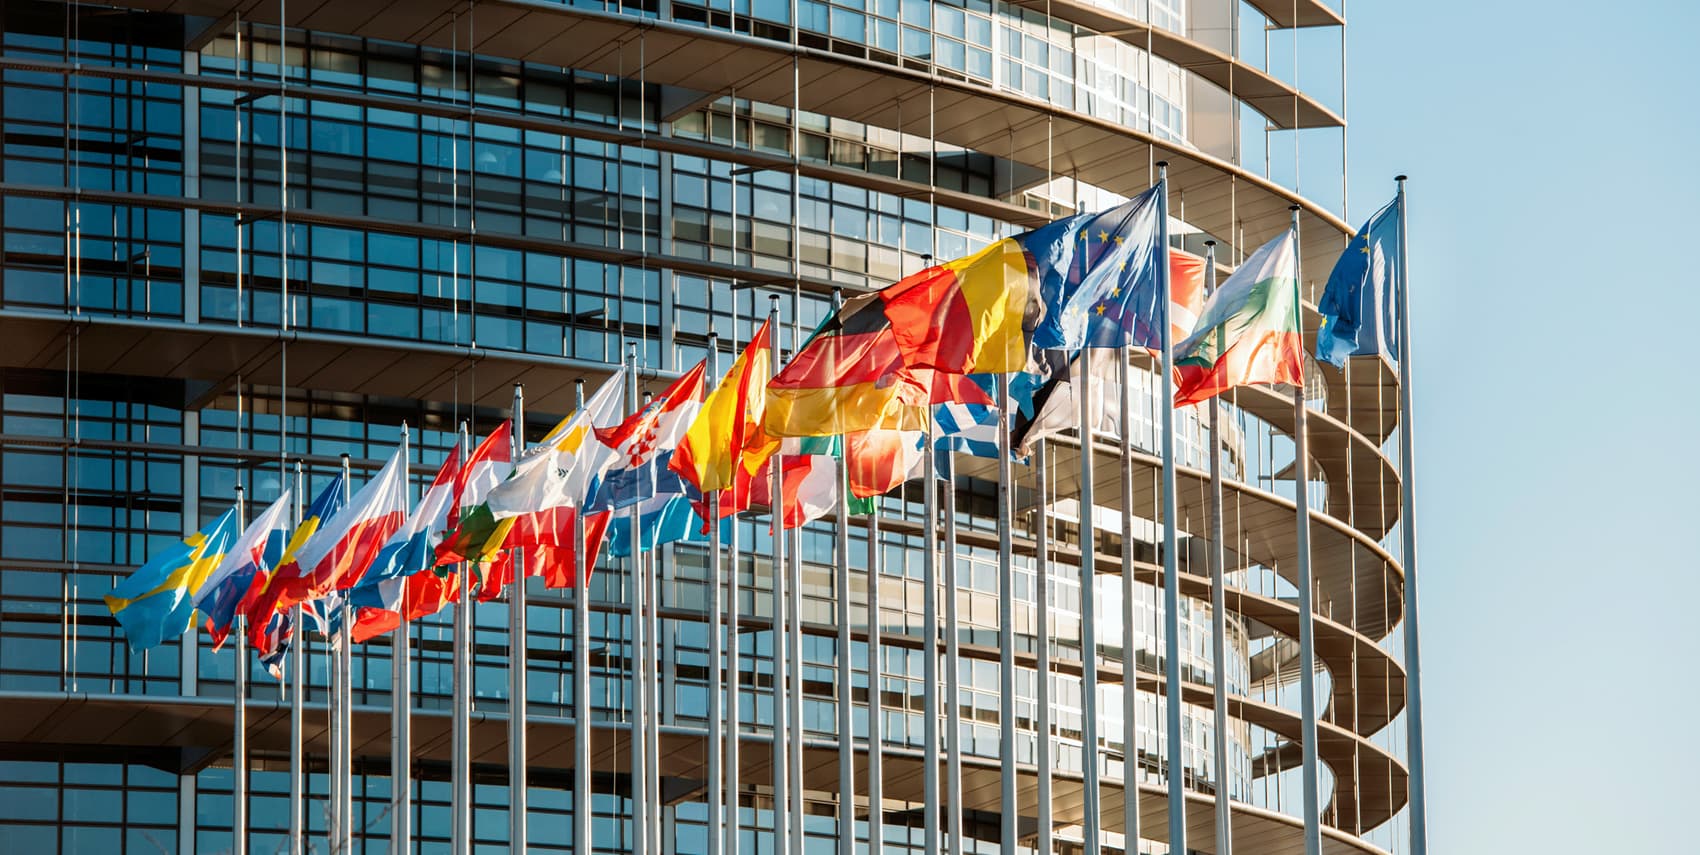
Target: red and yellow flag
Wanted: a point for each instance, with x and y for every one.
(728, 428)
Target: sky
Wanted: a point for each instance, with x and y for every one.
(1551, 148)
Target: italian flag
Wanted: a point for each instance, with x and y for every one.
(1248, 332)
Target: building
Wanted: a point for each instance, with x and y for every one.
(230, 247)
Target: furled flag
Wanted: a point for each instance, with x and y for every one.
(1360, 306)
(639, 448)
(266, 626)
(728, 430)
(967, 315)
(338, 555)
(242, 572)
(850, 376)
(157, 601)
(1249, 331)
(1098, 277)
(377, 596)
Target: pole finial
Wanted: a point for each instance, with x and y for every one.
(1293, 207)
(1210, 243)
(1162, 164)
(1401, 178)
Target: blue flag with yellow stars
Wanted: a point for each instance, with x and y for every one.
(1359, 306)
(1099, 276)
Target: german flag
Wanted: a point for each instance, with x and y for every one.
(849, 376)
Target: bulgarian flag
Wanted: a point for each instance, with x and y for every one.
(1249, 330)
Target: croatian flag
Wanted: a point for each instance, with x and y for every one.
(634, 453)
(411, 549)
(243, 569)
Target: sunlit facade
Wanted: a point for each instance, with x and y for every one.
(230, 247)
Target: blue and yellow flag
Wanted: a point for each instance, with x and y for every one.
(157, 602)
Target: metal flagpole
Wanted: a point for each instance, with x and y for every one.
(583, 805)
(1176, 754)
(876, 705)
(1042, 629)
(1092, 821)
(846, 664)
(401, 723)
(794, 697)
(461, 764)
(930, 645)
(952, 665)
(1307, 644)
(734, 664)
(345, 711)
(297, 688)
(518, 643)
(1408, 548)
(1218, 605)
(639, 669)
(1130, 660)
(1011, 805)
(781, 710)
(716, 670)
(239, 724)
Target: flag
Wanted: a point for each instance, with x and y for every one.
(405, 598)
(412, 548)
(1359, 305)
(476, 535)
(1249, 331)
(967, 315)
(157, 602)
(1098, 279)
(1057, 409)
(1186, 294)
(728, 428)
(261, 605)
(338, 554)
(243, 571)
(665, 516)
(638, 449)
(880, 460)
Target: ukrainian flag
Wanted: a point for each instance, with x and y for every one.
(157, 602)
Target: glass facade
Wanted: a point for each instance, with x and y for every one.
(154, 181)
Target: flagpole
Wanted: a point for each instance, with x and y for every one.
(1307, 644)
(1042, 629)
(401, 722)
(1130, 658)
(345, 712)
(461, 765)
(876, 704)
(297, 687)
(1011, 807)
(780, 765)
(1176, 755)
(1092, 820)
(239, 722)
(1408, 544)
(1218, 606)
(639, 671)
(583, 806)
(716, 650)
(734, 703)
(794, 638)
(518, 644)
(952, 671)
(846, 664)
(930, 642)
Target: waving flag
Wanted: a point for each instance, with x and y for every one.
(475, 534)
(1249, 332)
(967, 315)
(666, 516)
(638, 449)
(242, 572)
(157, 601)
(337, 556)
(266, 627)
(727, 432)
(1098, 276)
(411, 549)
(1359, 306)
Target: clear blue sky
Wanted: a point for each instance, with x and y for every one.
(1552, 150)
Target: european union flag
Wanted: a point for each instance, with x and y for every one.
(157, 601)
(1359, 306)
(1099, 276)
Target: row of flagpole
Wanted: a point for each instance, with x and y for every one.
(787, 740)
